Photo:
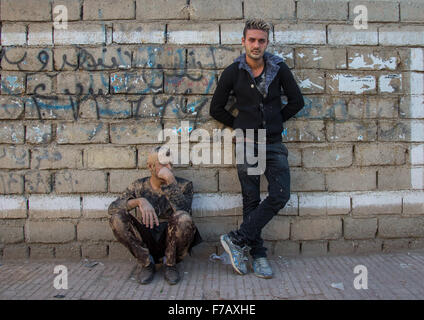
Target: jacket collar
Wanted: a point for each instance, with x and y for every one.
(271, 67)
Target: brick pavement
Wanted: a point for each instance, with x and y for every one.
(395, 275)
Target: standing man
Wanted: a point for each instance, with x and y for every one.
(256, 79)
(166, 228)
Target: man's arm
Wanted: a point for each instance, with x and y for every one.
(291, 89)
(220, 99)
(121, 203)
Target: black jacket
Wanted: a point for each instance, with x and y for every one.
(257, 111)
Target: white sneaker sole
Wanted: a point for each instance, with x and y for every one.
(227, 249)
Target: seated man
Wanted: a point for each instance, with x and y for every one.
(166, 228)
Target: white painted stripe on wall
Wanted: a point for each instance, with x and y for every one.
(96, 202)
(417, 59)
(12, 203)
(193, 37)
(54, 203)
(384, 198)
(300, 37)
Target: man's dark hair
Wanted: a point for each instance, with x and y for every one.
(256, 24)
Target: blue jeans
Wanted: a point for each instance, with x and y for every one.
(257, 214)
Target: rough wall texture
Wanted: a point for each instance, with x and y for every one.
(80, 108)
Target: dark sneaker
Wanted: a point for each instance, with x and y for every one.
(262, 268)
(147, 273)
(172, 276)
(237, 255)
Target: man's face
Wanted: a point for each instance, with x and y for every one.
(255, 43)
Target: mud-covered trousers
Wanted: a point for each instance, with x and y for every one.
(257, 214)
(171, 239)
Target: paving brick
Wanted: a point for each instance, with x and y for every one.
(306, 180)
(300, 34)
(363, 58)
(131, 32)
(321, 204)
(82, 83)
(162, 9)
(304, 131)
(310, 81)
(13, 207)
(137, 82)
(68, 251)
(93, 250)
(199, 33)
(38, 133)
(327, 157)
(397, 35)
(380, 154)
(345, 83)
(95, 207)
(77, 181)
(56, 158)
(270, 10)
(105, 107)
(277, 229)
(286, 248)
(135, 133)
(13, 34)
(108, 10)
(220, 9)
(41, 251)
(13, 82)
(395, 178)
(11, 133)
(37, 181)
(94, 230)
(25, 10)
(73, 8)
(359, 228)
(352, 131)
(377, 11)
(410, 11)
(49, 232)
(322, 10)
(70, 133)
(15, 252)
(11, 183)
(351, 179)
(52, 206)
(316, 229)
(197, 82)
(65, 58)
(110, 157)
(320, 58)
(314, 248)
(80, 33)
(397, 227)
(40, 34)
(14, 157)
(121, 179)
(372, 107)
(11, 107)
(11, 231)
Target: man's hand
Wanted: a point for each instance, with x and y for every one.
(148, 214)
(166, 175)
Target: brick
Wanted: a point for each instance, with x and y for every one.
(52, 206)
(380, 154)
(25, 10)
(11, 133)
(339, 247)
(390, 83)
(377, 11)
(319, 107)
(291, 208)
(410, 11)
(70, 133)
(396, 178)
(306, 180)
(350, 83)
(321, 58)
(82, 83)
(94, 250)
(73, 9)
(11, 183)
(376, 203)
(13, 34)
(148, 56)
(287, 54)
(68, 251)
(135, 133)
(322, 10)
(393, 245)
(310, 81)
(396, 227)
(231, 33)
(37, 181)
(314, 248)
(349, 35)
(216, 204)
(199, 33)
(295, 157)
(359, 228)
(416, 152)
(327, 157)
(54, 107)
(94, 230)
(286, 248)
(372, 59)
(94, 207)
(13, 207)
(14, 157)
(65, 59)
(80, 33)
(270, 9)
(12, 83)
(372, 107)
(108, 10)
(401, 35)
(304, 131)
(205, 180)
(39, 83)
(76, 181)
(277, 229)
(105, 107)
(229, 181)
(321, 204)
(15, 252)
(49, 231)
(411, 106)
(368, 246)
(40, 34)
(351, 179)
(56, 158)
(11, 107)
(41, 252)
(162, 9)
(300, 34)
(185, 108)
(411, 59)
(38, 133)
(316, 229)
(212, 227)
(110, 157)
(197, 82)
(137, 33)
(118, 251)
(413, 203)
(121, 179)
(352, 131)
(11, 231)
(219, 9)
(211, 57)
(400, 130)
(103, 58)
(413, 84)
(138, 82)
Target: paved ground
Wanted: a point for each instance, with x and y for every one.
(397, 275)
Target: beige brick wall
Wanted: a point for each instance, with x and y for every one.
(80, 108)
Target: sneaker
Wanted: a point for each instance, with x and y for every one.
(262, 268)
(236, 253)
(147, 273)
(172, 276)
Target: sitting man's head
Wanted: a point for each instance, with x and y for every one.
(158, 158)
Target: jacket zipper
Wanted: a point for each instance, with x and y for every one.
(261, 105)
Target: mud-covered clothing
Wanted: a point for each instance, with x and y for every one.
(176, 233)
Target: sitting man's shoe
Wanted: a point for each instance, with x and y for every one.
(172, 276)
(237, 255)
(147, 273)
(262, 268)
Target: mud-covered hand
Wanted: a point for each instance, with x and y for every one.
(148, 214)
(166, 175)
